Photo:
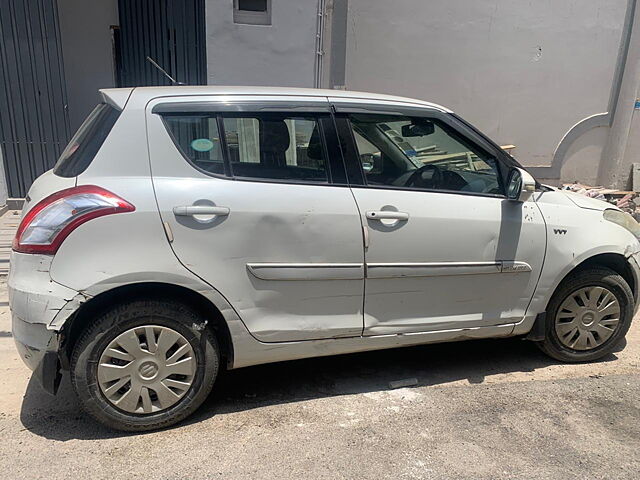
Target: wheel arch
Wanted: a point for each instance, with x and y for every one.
(613, 261)
(616, 262)
(98, 304)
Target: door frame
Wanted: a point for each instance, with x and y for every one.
(473, 136)
(239, 106)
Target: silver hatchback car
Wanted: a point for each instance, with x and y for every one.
(188, 229)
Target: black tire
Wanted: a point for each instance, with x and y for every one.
(597, 276)
(95, 338)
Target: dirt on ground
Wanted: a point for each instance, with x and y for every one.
(479, 410)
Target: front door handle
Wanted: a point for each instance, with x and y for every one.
(192, 210)
(386, 215)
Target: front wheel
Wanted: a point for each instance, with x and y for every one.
(144, 365)
(588, 316)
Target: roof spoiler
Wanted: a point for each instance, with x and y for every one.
(116, 97)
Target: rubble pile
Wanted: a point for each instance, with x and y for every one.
(624, 200)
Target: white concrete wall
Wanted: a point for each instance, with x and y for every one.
(523, 72)
(282, 54)
(583, 157)
(87, 52)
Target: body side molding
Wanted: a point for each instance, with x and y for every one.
(356, 271)
(307, 271)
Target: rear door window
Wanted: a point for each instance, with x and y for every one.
(84, 145)
(276, 147)
(268, 146)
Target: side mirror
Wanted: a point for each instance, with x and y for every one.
(520, 185)
(371, 161)
(367, 162)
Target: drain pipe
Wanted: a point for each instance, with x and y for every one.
(317, 81)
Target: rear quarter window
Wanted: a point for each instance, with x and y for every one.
(84, 145)
(198, 140)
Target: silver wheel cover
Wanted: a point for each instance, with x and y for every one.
(587, 318)
(146, 369)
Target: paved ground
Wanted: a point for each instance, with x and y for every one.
(484, 409)
(8, 224)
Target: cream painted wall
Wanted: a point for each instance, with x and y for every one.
(280, 54)
(523, 72)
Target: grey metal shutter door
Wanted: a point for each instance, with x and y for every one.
(34, 122)
(172, 32)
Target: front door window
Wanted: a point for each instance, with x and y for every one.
(421, 154)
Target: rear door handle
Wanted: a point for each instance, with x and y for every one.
(386, 215)
(191, 210)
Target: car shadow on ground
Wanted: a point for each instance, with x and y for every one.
(60, 417)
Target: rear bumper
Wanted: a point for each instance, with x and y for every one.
(39, 306)
(38, 348)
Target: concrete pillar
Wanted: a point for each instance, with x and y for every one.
(615, 165)
(335, 40)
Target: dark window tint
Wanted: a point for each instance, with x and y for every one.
(198, 139)
(252, 12)
(87, 141)
(252, 5)
(421, 154)
(276, 147)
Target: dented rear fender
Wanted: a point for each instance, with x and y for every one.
(34, 297)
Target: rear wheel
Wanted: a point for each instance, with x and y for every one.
(588, 316)
(145, 365)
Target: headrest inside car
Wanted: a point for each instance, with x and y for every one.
(274, 136)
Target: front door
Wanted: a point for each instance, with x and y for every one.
(445, 248)
(258, 206)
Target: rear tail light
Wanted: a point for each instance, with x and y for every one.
(50, 221)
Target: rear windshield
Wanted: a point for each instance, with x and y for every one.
(87, 141)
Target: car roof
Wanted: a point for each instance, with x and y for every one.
(142, 95)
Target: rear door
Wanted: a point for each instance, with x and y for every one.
(253, 190)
